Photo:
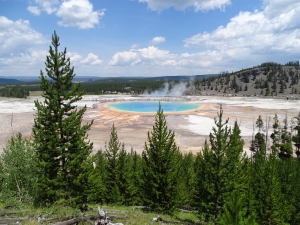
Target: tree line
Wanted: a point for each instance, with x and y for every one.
(221, 183)
(267, 79)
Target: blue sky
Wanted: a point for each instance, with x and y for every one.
(148, 37)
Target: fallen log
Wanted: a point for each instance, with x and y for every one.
(12, 220)
(112, 210)
(187, 211)
(4, 212)
(55, 219)
(182, 223)
(140, 207)
(73, 221)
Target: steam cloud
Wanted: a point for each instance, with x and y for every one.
(176, 90)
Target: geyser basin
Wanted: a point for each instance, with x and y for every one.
(146, 107)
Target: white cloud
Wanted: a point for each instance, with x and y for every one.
(251, 35)
(78, 13)
(25, 59)
(50, 6)
(134, 46)
(73, 13)
(277, 7)
(17, 36)
(74, 56)
(125, 58)
(158, 40)
(148, 56)
(198, 5)
(34, 10)
(92, 59)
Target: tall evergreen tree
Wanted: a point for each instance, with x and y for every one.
(260, 139)
(285, 145)
(161, 167)
(296, 136)
(275, 136)
(96, 190)
(219, 169)
(59, 137)
(188, 180)
(137, 176)
(235, 212)
(132, 179)
(272, 201)
(113, 151)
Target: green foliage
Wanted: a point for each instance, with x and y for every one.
(15, 91)
(234, 211)
(285, 145)
(219, 169)
(187, 180)
(270, 210)
(296, 137)
(60, 139)
(18, 172)
(275, 136)
(114, 150)
(161, 168)
(96, 188)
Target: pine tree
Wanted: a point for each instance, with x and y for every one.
(219, 169)
(161, 168)
(288, 173)
(271, 210)
(137, 177)
(96, 190)
(234, 211)
(59, 137)
(285, 145)
(188, 180)
(260, 139)
(275, 136)
(132, 182)
(296, 137)
(113, 151)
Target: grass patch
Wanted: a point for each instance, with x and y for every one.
(35, 93)
(121, 214)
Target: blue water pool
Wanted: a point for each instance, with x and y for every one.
(153, 106)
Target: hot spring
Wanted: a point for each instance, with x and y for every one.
(150, 107)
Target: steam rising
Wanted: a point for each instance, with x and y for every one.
(174, 89)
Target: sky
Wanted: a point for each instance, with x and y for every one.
(113, 38)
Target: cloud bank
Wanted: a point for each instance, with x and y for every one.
(17, 36)
(72, 13)
(198, 5)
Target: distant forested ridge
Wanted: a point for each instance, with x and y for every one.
(267, 79)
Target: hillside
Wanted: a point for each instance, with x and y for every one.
(268, 79)
(8, 80)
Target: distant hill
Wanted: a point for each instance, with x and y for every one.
(26, 79)
(9, 80)
(267, 79)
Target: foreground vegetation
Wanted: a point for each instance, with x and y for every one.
(125, 215)
(220, 185)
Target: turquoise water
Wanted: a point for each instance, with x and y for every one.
(153, 106)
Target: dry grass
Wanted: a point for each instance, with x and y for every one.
(35, 93)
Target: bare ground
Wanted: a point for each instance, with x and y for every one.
(191, 128)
